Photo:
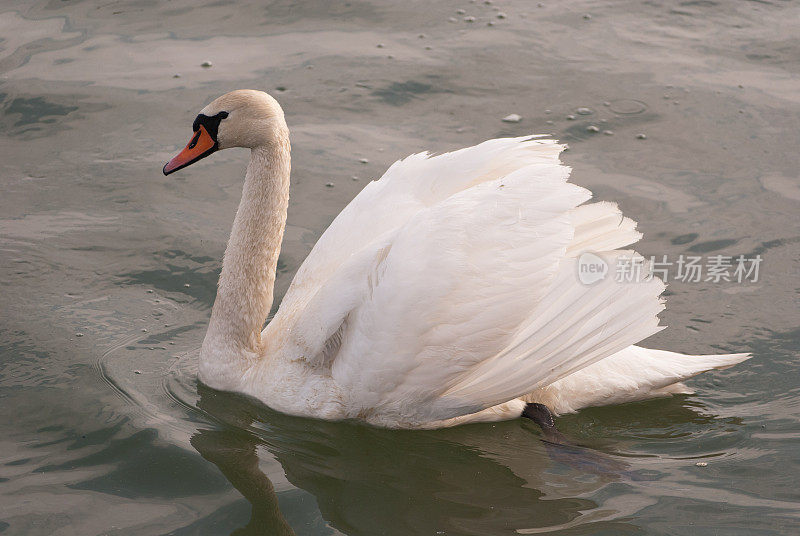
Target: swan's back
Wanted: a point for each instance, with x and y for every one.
(450, 286)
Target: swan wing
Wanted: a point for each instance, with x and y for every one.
(467, 296)
(410, 185)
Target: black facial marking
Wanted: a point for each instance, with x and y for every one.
(211, 123)
(211, 126)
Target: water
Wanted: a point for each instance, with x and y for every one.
(108, 269)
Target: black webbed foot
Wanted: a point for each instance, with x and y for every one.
(541, 415)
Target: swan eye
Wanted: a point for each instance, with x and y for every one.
(195, 138)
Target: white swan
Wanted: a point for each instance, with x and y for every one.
(446, 292)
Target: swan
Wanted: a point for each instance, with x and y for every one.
(446, 292)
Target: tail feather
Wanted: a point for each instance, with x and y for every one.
(630, 375)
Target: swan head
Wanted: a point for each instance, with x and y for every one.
(241, 118)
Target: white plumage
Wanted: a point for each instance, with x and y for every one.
(445, 292)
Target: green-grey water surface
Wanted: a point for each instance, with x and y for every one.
(108, 269)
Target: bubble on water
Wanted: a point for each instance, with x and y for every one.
(570, 117)
(641, 136)
(512, 118)
(206, 64)
(627, 106)
(592, 128)
(584, 111)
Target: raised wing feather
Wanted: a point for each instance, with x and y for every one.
(450, 285)
(417, 182)
(457, 283)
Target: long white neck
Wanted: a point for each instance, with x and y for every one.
(244, 294)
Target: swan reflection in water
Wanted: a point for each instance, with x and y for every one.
(474, 479)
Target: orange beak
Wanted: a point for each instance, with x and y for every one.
(200, 146)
